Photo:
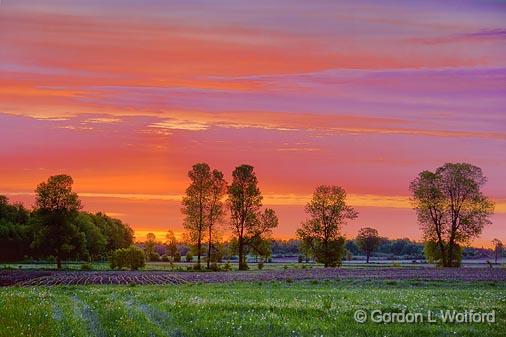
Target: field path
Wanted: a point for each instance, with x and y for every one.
(35, 278)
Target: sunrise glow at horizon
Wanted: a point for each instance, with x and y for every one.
(360, 95)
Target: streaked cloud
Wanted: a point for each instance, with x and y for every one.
(126, 95)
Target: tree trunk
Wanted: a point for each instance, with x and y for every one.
(199, 247)
(367, 257)
(451, 249)
(241, 254)
(327, 257)
(443, 252)
(58, 261)
(496, 254)
(209, 248)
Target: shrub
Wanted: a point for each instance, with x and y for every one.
(177, 256)
(154, 257)
(189, 257)
(214, 266)
(196, 266)
(165, 258)
(86, 266)
(260, 265)
(433, 254)
(300, 259)
(131, 257)
(227, 267)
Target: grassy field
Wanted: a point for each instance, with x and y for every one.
(323, 308)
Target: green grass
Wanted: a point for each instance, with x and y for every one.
(322, 308)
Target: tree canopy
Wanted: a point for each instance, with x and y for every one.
(321, 233)
(250, 226)
(451, 208)
(368, 240)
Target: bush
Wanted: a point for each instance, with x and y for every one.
(177, 257)
(214, 266)
(189, 257)
(227, 267)
(433, 254)
(131, 257)
(154, 257)
(300, 259)
(196, 266)
(86, 266)
(165, 258)
(260, 265)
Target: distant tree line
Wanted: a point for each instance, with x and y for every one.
(56, 228)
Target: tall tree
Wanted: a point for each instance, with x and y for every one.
(498, 248)
(248, 224)
(215, 210)
(368, 240)
(149, 245)
(321, 233)
(171, 243)
(196, 205)
(57, 206)
(451, 208)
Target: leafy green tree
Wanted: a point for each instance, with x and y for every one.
(149, 246)
(215, 209)
(451, 208)
(56, 207)
(321, 233)
(95, 240)
(171, 244)
(368, 240)
(132, 258)
(15, 231)
(249, 224)
(118, 234)
(189, 256)
(196, 205)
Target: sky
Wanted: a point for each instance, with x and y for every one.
(125, 96)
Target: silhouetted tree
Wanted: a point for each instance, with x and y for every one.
(321, 233)
(368, 240)
(57, 206)
(249, 224)
(215, 211)
(171, 243)
(451, 208)
(196, 205)
(149, 246)
(498, 248)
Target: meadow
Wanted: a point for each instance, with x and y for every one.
(280, 308)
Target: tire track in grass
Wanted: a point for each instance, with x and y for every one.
(85, 312)
(161, 319)
(156, 318)
(67, 318)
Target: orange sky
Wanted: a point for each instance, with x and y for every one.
(125, 97)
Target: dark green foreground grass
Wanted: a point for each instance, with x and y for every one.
(245, 309)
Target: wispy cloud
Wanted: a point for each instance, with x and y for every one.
(483, 35)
